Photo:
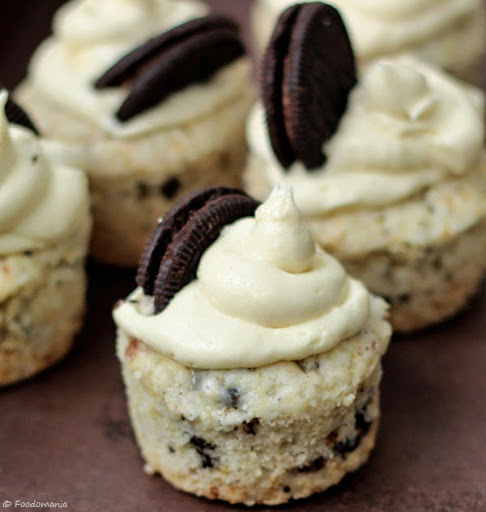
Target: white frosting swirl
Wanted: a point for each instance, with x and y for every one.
(407, 126)
(264, 293)
(385, 27)
(39, 203)
(91, 35)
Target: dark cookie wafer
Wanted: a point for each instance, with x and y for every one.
(168, 227)
(194, 60)
(17, 115)
(308, 73)
(271, 77)
(128, 66)
(187, 54)
(318, 76)
(172, 255)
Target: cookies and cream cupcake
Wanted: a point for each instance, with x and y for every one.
(44, 231)
(389, 172)
(448, 33)
(251, 360)
(150, 97)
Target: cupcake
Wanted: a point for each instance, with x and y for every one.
(150, 97)
(390, 171)
(448, 33)
(44, 231)
(251, 361)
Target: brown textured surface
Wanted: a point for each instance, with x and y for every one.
(65, 436)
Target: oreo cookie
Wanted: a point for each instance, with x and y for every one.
(187, 54)
(17, 115)
(308, 71)
(170, 224)
(172, 255)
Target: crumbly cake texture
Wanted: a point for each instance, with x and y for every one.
(469, 67)
(432, 286)
(414, 253)
(134, 181)
(264, 435)
(42, 302)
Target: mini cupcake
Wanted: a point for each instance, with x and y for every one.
(448, 33)
(390, 172)
(44, 231)
(150, 97)
(251, 360)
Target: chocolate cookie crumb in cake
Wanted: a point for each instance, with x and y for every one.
(258, 382)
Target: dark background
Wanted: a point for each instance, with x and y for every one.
(65, 435)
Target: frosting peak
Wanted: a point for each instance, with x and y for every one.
(425, 120)
(264, 293)
(279, 234)
(268, 270)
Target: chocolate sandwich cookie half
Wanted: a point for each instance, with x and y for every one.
(151, 102)
(309, 50)
(251, 360)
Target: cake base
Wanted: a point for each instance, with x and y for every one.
(257, 436)
(42, 304)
